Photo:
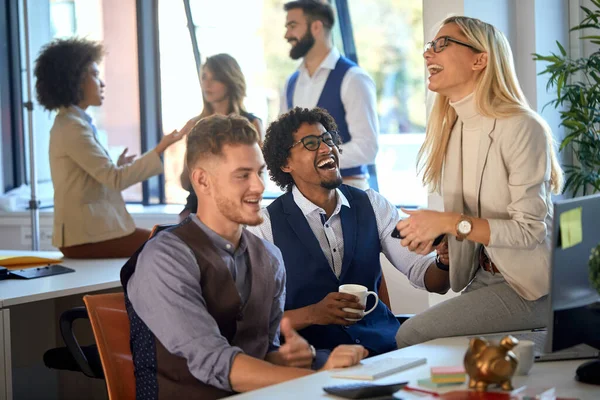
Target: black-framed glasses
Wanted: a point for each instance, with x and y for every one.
(313, 142)
(438, 45)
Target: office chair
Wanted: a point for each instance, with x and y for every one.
(74, 357)
(110, 324)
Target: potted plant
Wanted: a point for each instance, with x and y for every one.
(577, 83)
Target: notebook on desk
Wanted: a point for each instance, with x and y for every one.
(38, 272)
(374, 369)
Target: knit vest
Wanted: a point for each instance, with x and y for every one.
(331, 100)
(310, 278)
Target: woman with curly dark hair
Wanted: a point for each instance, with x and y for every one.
(90, 218)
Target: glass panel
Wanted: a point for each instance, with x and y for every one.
(388, 36)
(253, 35)
(113, 22)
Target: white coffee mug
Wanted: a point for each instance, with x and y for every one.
(525, 354)
(362, 293)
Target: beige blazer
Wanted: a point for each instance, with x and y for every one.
(514, 195)
(88, 205)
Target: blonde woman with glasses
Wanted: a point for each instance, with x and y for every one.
(493, 160)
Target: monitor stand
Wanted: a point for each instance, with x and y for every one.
(589, 372)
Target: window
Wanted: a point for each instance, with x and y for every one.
(388, 36)
(118, 120)
(390, 52)
(252, 32)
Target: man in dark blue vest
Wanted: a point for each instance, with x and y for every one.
(205, 297)
(332, 234)
(328, 80)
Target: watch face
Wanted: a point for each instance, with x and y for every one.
(464, 227)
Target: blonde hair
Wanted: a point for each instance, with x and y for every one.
(226, 69)
(497, 95)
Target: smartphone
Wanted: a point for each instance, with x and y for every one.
(436, 242)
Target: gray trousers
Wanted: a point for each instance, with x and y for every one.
(487, 305)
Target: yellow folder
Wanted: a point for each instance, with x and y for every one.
(20, 262)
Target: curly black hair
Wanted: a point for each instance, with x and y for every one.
(280, 136)
(60, 70)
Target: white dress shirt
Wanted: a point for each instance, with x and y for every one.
(328, 232)
(360, 102)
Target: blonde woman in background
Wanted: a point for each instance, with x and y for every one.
(223, 92)
(493, 160)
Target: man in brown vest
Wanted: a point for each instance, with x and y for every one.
(205, 298)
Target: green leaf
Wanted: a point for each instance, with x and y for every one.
(562, 49)
(559, 84)
(584, 26)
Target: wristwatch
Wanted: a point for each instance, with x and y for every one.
(441, 265)
(463, 227)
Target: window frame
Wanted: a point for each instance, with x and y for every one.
(153, 189)
(13, 144)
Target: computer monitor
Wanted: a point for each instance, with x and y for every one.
(574, 302)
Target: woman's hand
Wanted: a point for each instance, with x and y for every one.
(175, 136)
(422, 227)
(124, 159)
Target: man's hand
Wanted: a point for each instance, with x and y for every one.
(442, 252)
(124, 159)
(296, 352)
(329, 310)
(345, 356)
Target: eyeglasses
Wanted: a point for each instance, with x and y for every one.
(438, 45)
(313, 142)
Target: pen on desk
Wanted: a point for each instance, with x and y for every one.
(414, 389)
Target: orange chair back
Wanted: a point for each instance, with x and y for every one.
(384, 295)
(110, 324)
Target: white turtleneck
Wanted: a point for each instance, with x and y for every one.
(470, 121)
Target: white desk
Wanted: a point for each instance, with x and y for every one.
(89, 276)
(440, 352)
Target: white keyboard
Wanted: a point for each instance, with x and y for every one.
(379, 368)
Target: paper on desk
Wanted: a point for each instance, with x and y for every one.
(20, 262)
(570, 228)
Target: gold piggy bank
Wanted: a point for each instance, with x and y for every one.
(487, 364)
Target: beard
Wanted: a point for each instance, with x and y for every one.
(233, 212)
(303, 46)
(334, 184)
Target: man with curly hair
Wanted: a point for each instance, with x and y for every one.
(90, 218)
(332, 234)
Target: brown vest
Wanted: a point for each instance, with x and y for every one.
(243, 325)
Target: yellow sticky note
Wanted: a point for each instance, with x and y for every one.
(570, 228)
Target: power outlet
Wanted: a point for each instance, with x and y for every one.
(45, 236)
